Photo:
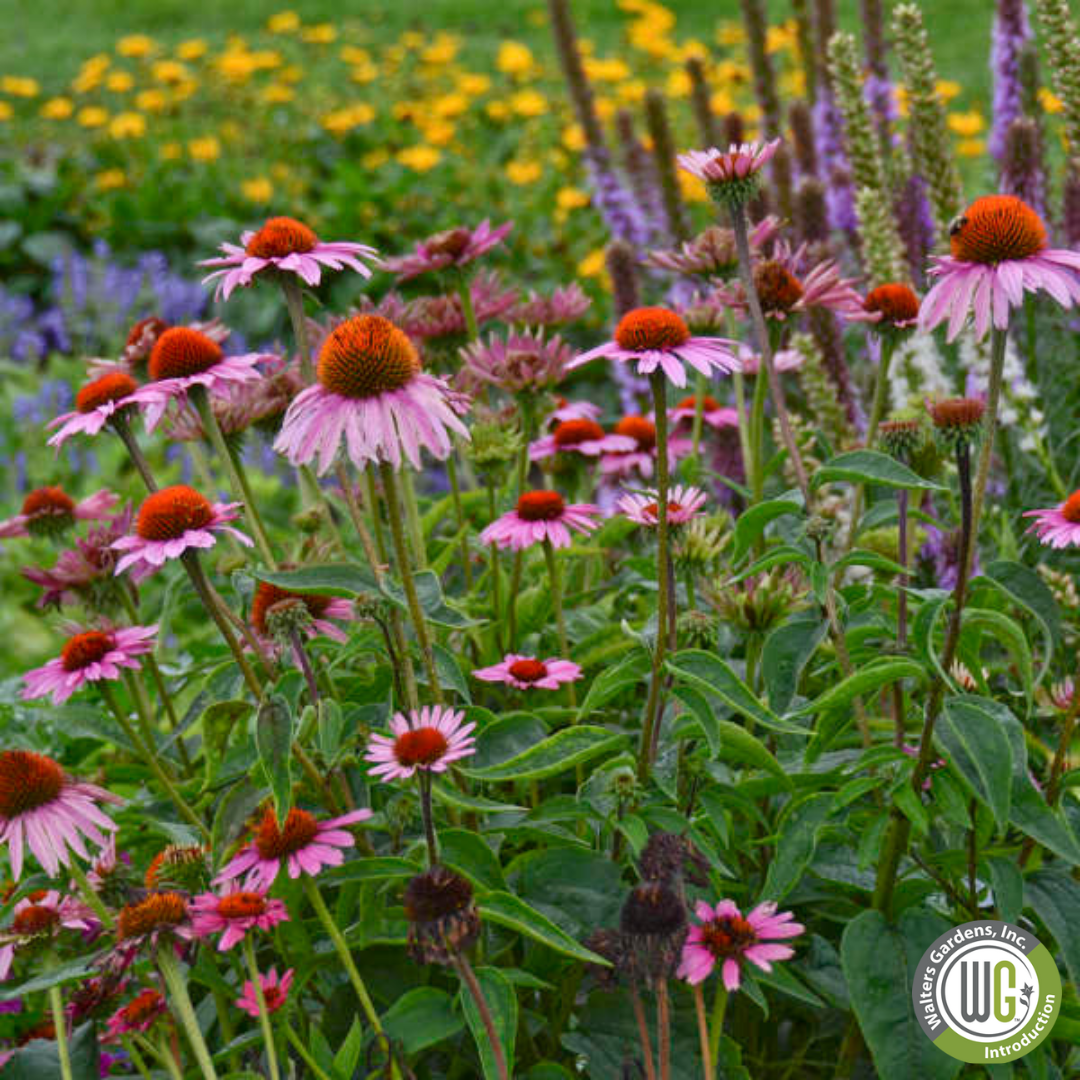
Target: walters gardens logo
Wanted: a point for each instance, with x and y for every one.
(987, 992)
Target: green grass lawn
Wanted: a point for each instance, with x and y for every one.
(50, 37)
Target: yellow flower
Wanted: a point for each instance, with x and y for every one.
(204, 149)
(473, 84)
(605, 108)
(182, 91)
(419, 158)
(523, 172)
(352, 54)
(93, 116)
(793, 83)
(119, 82)
(693, 190)
(573, 138)
(450, 105)
(571, 198)
(782, 38)
(374, 159)
(1050, 102)
(364, 73)
(57, 108)
(593, 265)
(631, 92)
(276, 94)
(438, 132)
(169, 71)
(171, 151)
(193, 49)
(442, 50)
(257, 190)
(152, 100)
(6, 111)
(110, 180)
(412, 39)
(291, 74)
(86, 81)
(611, 70)
(947, 89)
(528, 103)
(497, 110)
(693, 49)
(322, 34)
(514, 58)
(135, 45)
(283, 22)
(127, 125)
(966, 124)
(730, 33)
(678, 83)
(17, 86)
(342, 121)
(722, 103)
(971, 147)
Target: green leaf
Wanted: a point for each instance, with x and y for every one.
(429, 591)
(39, 1059)
(871, 467)
(876, 674)
(556, 754)
(450, 673)
(879, 961)
(273, 739)
(1033, 817)
(786, 653)
(335, 579)
(511, 911)
(712, 675)
(1054, 895)
(469, 854)
(57, 976)
(1008, 885)
(1008, 633)
(372, 868)
(502, 1003)
(449, 795)
(1027, 589)
(331, 728)
(751, 523)
(630, 671)
(421, 1018)
(798, 840)
(979, 748)
(727, 740)
(348, 1056)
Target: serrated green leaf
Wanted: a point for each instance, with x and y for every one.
(273, 738)
(798, 833)
(979, 749)
(752, 522)
(421, 1018)
(630, 671)
(334, 579)
(786, 652)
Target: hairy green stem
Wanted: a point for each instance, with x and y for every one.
(703, 1033)
(176, 984)
(56, 1006)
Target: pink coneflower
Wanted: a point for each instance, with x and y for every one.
(43, 808)
(516, 362)
(234, 913)
(575, 410)
(580, 436)
(288, 246)
(741, 161)
(1057, 526)
(564, 305)
(49, 511)
(655, 337)
(892, 307)
(443, 317)
(788, 285)
(172, 521)
(539, 516)
(138, 1015)
(713, 252)
(451, 248)
(723, 936)
(275, 992)
(321, 609)
(783, 360)
(37, 917)
(640, 458)
(303, 845)
(684, 503)
(372, 398)
(79, 571)
(528, 673)
(182, 359)
(164, 913)
(999, 253)
(88, 656)
(95, 404)
(142, 338)
(713, 413)
(429, 740)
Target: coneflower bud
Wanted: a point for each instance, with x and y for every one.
(443, 919)
(702, 542)
(181, 866)
(957, 420)
(287, 617)
(623, 270)
(696, 630)
(902, 437)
